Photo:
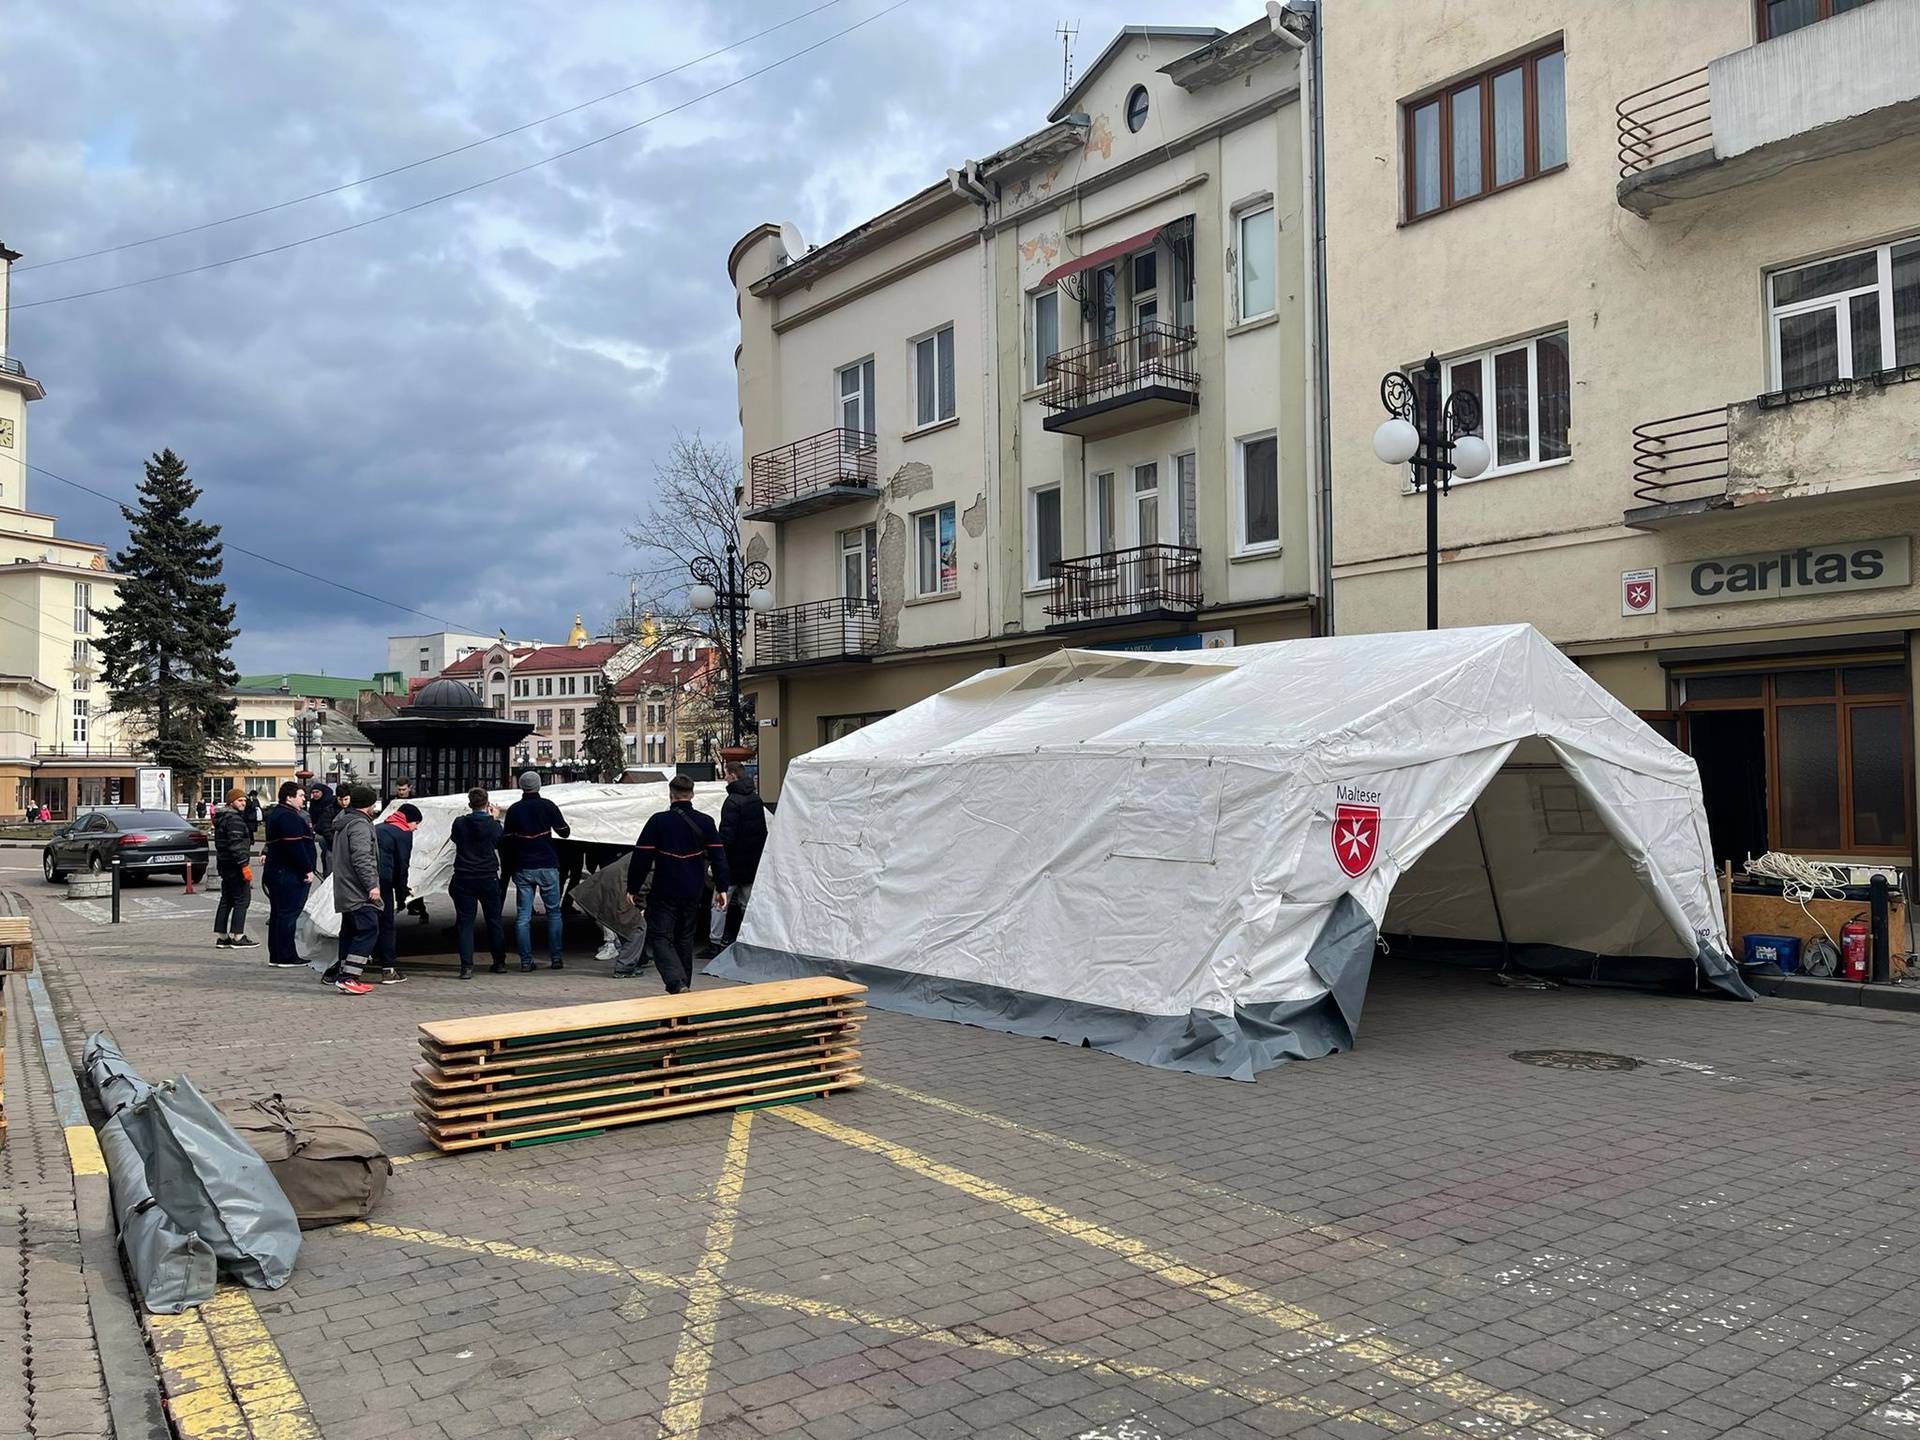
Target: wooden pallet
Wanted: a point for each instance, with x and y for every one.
(16, 944)
(536, 1076)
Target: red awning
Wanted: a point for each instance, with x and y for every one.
(1103, 254)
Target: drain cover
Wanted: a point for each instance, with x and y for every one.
(1575, 1060)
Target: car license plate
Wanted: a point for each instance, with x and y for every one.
(166, 860)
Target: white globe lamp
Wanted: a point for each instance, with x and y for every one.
(760, 598)
(1396, 441)
(701, 597)
(1471, 456)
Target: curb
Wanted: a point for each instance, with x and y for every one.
(133, 1390)
(1838, 992)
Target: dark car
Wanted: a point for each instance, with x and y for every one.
(148, 842)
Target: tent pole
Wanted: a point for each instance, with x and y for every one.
(1493, 894)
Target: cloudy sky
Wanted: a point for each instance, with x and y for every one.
(461, 407)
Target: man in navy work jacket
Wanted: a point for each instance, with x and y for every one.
(677, 846)
(291, 855)
(532, 823)
(476, 879)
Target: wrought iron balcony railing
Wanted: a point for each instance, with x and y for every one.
(12, 366)
(1664, 122)
(1683, 457)
(1122, 584)
(1138, 359)
(817, 630)
(831, 467)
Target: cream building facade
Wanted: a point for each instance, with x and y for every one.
(1062, 397)
(1673, 246)
(57, 743)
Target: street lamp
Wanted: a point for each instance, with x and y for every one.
(1441, 440)
(306, 726)
(730, 589)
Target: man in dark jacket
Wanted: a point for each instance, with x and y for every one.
(321, 810)
(533, 821)
(476, 879)
(232, 844)
(356, 887)
(678, 846)
(743, 831)
(288, 872)
(253, 812)
(393, 842)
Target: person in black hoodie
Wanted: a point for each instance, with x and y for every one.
(394, 837)
(253, 812)
(287, 873)
(677, 846)
(743, 831)
(232, 847)
(321, 810)
(476, 879)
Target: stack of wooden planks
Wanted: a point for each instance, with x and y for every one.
(16, 958)
(533, 1076)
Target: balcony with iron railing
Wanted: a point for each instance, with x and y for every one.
(11, 366)
(1842, 85)
(1125, 381)
(816, 632)
(1147, 582)
(1843, 439)
(835, 467)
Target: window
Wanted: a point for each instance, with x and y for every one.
(1146, 281)
(853, 393)
(1046, 332)
(933, 378)
(82, 709)
(1257, 495)
(1136, 108)
(522, 717)
(499, 677)
(83, 665)
(1499, 128)
(260, 729)
(1832, 319)
(936, 569)
(1100, 510)
(590, 684)
(566, 749)
(859, 564)
(1530, 412)
(1043, 533)
(543, 720)
(82, 607)
(1783, 17)
(566, 720)
(1256, 262)
(1186, 500)
(838, 727)
(632, 714)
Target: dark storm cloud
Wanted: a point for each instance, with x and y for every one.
(462, 407)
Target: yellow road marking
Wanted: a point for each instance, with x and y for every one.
(1325, 1231)
(83, 1151)
(224, 1376)
(892, 1325)
(1432, 1377)
(693, 1360)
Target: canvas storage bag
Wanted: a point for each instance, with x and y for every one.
(327, 1162)
(173, 1267)
(211, 1182)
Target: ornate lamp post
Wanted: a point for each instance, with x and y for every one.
(1441, 440)
(306, 726)
(730, 589)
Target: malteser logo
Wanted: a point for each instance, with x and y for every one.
(1356, 829)
(1784, 574)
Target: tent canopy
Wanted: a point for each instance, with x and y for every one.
(1187, 859)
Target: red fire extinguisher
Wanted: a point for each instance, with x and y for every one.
(1853, 950)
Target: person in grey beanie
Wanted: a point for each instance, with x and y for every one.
(533, 823)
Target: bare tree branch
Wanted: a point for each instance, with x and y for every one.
(692, 513)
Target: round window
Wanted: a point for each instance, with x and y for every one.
(1137, 108)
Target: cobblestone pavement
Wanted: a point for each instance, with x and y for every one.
(1006, 1237)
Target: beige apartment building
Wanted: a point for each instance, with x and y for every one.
(1064, 396)
(1673, 247)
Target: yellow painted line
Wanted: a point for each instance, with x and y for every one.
(1325, 1230)
(893, 1325)
(1432, 1377)
(198, 1397)
(83, 1151)
(267, 1393)
(693, 1359)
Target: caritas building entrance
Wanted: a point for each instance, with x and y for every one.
(1810, 754)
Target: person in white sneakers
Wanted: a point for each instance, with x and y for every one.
(356, 888)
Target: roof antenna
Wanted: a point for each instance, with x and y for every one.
(1067, 33)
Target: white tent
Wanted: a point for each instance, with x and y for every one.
(1186, 858)
(596, 814)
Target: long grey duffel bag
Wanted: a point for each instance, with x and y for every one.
(328, 1163)
(211, 1181)
(173, 1267)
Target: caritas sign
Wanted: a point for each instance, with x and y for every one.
(1780, 574)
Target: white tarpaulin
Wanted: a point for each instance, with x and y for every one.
(1186, 857)
(597, 815)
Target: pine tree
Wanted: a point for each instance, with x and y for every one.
(163, 648)
(602, 741)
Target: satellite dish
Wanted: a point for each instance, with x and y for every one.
(791, 242)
